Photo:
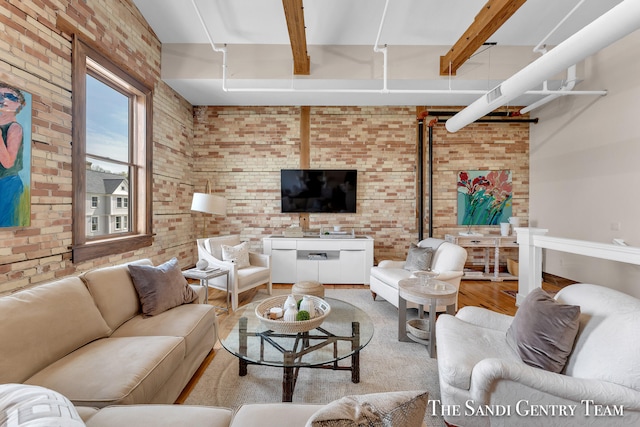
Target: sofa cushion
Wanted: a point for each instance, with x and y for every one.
(161, 288)
(191, 321)
(113, 371)
(238, 254)
(418, 258)
(273, 414)
(43, 324)
(161, 416)
(401, 408)
(34, 406)
(390, 276)
(250, 275)
(543, 331)
(455, 361)
(114, 293)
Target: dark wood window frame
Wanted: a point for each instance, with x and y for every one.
(141, 198)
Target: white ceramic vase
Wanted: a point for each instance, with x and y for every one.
(290, 302)
(308, 305)
(291, 314)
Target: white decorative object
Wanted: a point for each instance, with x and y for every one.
(322, 310)
(202, 264)
(308, 306)
(275, 312)
(290, 314)
(290, 302)
(505, 228)
(514, 221)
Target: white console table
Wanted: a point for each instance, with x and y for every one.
(487, 242)
(326, 260)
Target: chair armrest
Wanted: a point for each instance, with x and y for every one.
(485, 318)
(259, 260)
(449, 275)
(488, 372)
(390, 263)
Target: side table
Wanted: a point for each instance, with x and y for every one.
(432, 295)
(204, 276)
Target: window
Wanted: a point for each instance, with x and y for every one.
(111, 155)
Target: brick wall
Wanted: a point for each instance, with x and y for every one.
(35, 56)
(239, 149)
(242, 149)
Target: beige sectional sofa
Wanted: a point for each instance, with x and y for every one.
(85, 337)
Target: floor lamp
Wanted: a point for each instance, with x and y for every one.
(208, 203)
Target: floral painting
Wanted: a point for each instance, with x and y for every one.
(15, 156)
(484, 197)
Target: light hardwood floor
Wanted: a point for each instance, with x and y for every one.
(482, 293)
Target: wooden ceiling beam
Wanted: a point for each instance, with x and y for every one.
(294, 14)
(491, 17)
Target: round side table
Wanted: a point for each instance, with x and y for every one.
(432, 295)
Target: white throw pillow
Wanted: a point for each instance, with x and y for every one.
(238, 254)
(34, 406)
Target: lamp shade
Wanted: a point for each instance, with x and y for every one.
(209, 203)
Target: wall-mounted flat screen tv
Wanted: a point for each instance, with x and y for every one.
(318, 190)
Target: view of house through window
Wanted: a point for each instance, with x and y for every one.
(112, 149)
(107, 154)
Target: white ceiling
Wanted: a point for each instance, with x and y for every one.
(423, 28)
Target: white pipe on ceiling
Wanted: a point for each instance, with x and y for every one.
(385, 89)
(566, 87)
(618, 22)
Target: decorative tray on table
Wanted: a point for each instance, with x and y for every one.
(322, 310)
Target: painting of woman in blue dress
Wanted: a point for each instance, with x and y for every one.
(15, 157)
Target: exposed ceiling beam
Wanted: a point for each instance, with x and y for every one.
(294, 13)
(491, 17)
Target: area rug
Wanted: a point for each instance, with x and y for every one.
(385, 365)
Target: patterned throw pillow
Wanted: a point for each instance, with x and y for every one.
(391, 409)
(161, 288)
(238, 254)
(34, 406)
(418, 259)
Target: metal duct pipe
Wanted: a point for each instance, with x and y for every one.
(608, 28)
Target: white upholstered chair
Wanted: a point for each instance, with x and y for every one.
(448, 260)
(240, 279)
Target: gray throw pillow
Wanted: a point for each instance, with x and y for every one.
(543, 331)
(399, 408)
(418, 259)
(161, 288)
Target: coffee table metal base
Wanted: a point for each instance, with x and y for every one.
(302, 344)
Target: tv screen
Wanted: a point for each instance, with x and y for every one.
(318, 190)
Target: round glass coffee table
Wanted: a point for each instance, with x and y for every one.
(435, 293)
(345, 331)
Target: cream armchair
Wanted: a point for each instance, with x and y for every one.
(240, 279)
(479, 371)
(448, 260)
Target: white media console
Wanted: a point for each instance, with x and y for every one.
(326, 260)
